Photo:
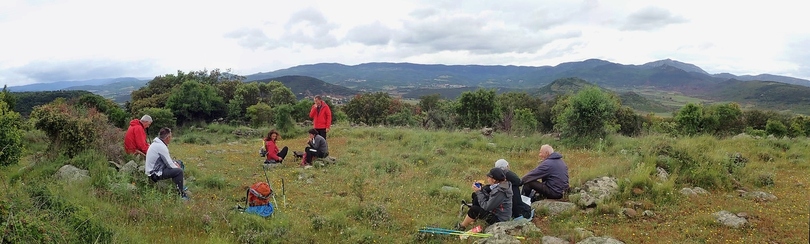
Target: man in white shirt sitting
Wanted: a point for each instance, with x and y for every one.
(159, 164)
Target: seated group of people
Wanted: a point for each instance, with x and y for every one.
(500, 199)
(316, 147)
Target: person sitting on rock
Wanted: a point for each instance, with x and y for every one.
(553, 172)
(160, 165)
(491, 202)
(316, 147)
(273, 154)
(519, 208)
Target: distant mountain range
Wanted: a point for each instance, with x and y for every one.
(413, 80)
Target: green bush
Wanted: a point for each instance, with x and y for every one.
(161, 117)
(10, 136)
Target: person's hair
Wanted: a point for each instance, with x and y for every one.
(270, 135)
(164, 132)
(318, 97)
(547, 148)
(501, 163)
(313, 131)
(146, 118)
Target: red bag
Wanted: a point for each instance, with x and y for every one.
(259, 194)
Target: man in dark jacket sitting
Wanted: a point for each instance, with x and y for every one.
(316, 147)
(519, 208)
(554, 175)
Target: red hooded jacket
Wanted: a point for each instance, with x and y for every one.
(321, 116)
(135, 139)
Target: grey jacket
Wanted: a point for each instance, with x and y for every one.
(498, 200)
(319, 143)
(552, 171)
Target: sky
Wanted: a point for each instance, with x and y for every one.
(58, 40)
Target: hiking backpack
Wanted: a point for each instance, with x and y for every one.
(259, 194)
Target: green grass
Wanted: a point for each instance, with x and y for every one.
(389, 182)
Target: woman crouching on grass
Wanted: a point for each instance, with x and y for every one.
(274, 156)
(492, 202)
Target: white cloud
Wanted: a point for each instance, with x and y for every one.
(151, 37)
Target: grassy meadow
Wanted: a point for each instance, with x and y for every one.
(388, 183)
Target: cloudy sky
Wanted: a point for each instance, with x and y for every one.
(54, 40)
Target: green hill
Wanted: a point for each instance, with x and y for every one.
(304, 86)
(762, 94)
(26, 101)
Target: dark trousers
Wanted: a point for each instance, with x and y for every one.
(281, 154)
(476, 212)
(171, 173)
(311, 152)
(322, 132)
(543, 192)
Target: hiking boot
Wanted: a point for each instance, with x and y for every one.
(185, 198)
(459, 227)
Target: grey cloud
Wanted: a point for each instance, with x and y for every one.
(651, 18)
(797, 52)
(50, 71)
(250, 38)
(371, 34)
(309, 26)
(471, 33)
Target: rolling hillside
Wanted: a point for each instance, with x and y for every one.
(304, 86)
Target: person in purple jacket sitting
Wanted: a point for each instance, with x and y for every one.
(553, 174)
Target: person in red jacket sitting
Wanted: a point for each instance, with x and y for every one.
(273, 154)
(321, 116)
(135, 138)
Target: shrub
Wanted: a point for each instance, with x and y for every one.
(586, 116)
(10, 136)
(71, 130)
(161, 117)
(776, 128)
(283, 117)
(260, 114)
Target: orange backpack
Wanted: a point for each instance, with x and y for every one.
(259, 194)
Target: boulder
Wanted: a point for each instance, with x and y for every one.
(729, 219)
(70, 173)
(499, 239)
(600, 240)
(596, 190)
(552, 206)
(518, 227)
(759, 196)
(130, 167)
(553, 240)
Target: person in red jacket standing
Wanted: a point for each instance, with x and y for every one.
(135, 138)
(321, 116)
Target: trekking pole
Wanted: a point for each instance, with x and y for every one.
(283, 193)
(271, 187)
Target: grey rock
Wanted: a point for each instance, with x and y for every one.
(519, 227)
(130, 168)
(70, 173)
(700, 191)
(487, 131)
(759, 196)
(553, 207)
(648, 213)
(693, 191)
(491, 144)
(662, 174)
(600, 240)
(595, 191)
(729, 219)
(553, 240)
(583, 233)
(499, 239)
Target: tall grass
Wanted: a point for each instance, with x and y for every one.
(389, 182)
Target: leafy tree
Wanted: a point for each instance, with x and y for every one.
(156, 92)
(283, 117)
(690, 119)
(402, 115)
(369, 108)
(301, 110)
(509, 102)
(587, 115)
(9, 98)
(250, 93)
(630, 123)
(10, 136)
(194, 101)
(798, 126)
(227, 89)
(235, 105)
(726, 119)
(282, 95)
(161, 117)
(431, 113)
(478, 109)
(524, 121)
(776, 128)
(260, 114)
(114, 113)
